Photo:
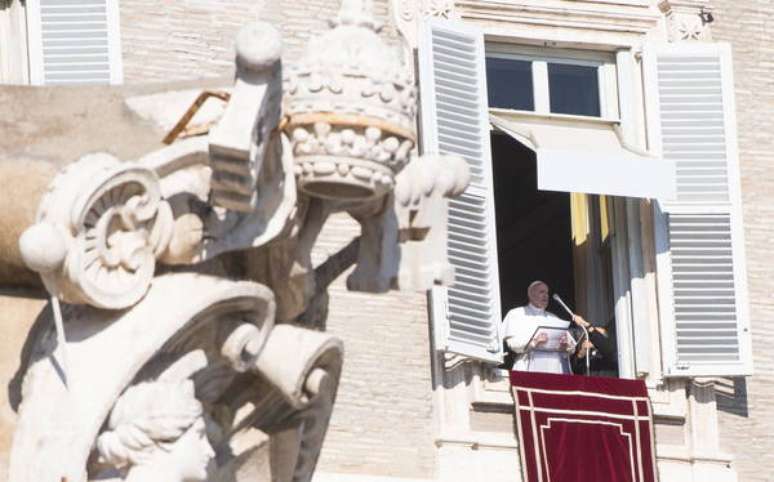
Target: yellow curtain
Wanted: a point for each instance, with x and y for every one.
(592, 228)
(581, 249)
(604, 219)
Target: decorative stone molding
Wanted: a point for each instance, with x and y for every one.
(408, 13)
(98, 233)
(687, 19)
(618, 22)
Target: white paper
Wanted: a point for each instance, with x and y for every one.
(556, 337)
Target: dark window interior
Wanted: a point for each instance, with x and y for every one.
(509, 84)
(534, 236)
(534, 241)
(573, 89)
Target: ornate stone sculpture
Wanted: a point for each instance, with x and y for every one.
(186, 275)
(350, 109)
(408, 13)
(157, 431)
(687, 20)
(99, 231)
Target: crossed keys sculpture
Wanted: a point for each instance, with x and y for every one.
(189, 344)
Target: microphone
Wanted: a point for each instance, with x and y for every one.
(559, 300)
(585, 331)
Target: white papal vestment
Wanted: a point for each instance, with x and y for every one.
(519, 325)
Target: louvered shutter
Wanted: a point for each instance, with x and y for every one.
(466, 316)
(702, 279)
(74, 42)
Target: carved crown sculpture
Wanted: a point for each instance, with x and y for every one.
(350, 108)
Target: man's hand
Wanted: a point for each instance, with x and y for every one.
(584, 349)
(541, 339)
(564, 343)
(578, 319)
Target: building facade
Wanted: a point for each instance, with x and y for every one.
(421, 398)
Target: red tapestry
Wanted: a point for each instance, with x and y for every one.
(583, 429)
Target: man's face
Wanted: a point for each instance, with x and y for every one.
(538, 296)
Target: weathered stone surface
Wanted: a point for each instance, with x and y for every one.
(19, 310)
(746, 407)
(25, 181)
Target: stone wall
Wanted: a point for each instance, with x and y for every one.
(181, 39)
(747, 407)
(169, 40)
(382, 423)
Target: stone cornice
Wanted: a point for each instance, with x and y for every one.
(632, 16)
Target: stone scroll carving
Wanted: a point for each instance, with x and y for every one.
(99, 231)
(188, 291)
(408, 13)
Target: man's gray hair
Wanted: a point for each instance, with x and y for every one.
(534, 284)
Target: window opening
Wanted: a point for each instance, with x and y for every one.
(561, 238)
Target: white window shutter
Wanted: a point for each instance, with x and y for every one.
(74, 42)
(705, 321)
(466, 316)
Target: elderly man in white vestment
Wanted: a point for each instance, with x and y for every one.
(519, 327)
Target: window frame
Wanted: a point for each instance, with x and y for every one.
(610, 80)
(539, 57)
(616, 91)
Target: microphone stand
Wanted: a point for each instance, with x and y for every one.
(585, 331)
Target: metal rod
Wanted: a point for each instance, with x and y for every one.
(61, 340)
(585, 331)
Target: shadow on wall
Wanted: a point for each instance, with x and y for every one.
(731, 396)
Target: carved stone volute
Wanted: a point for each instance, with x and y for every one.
(99, 230)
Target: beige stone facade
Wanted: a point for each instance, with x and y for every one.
(746, 407)
(396, 415)
(172, 41)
